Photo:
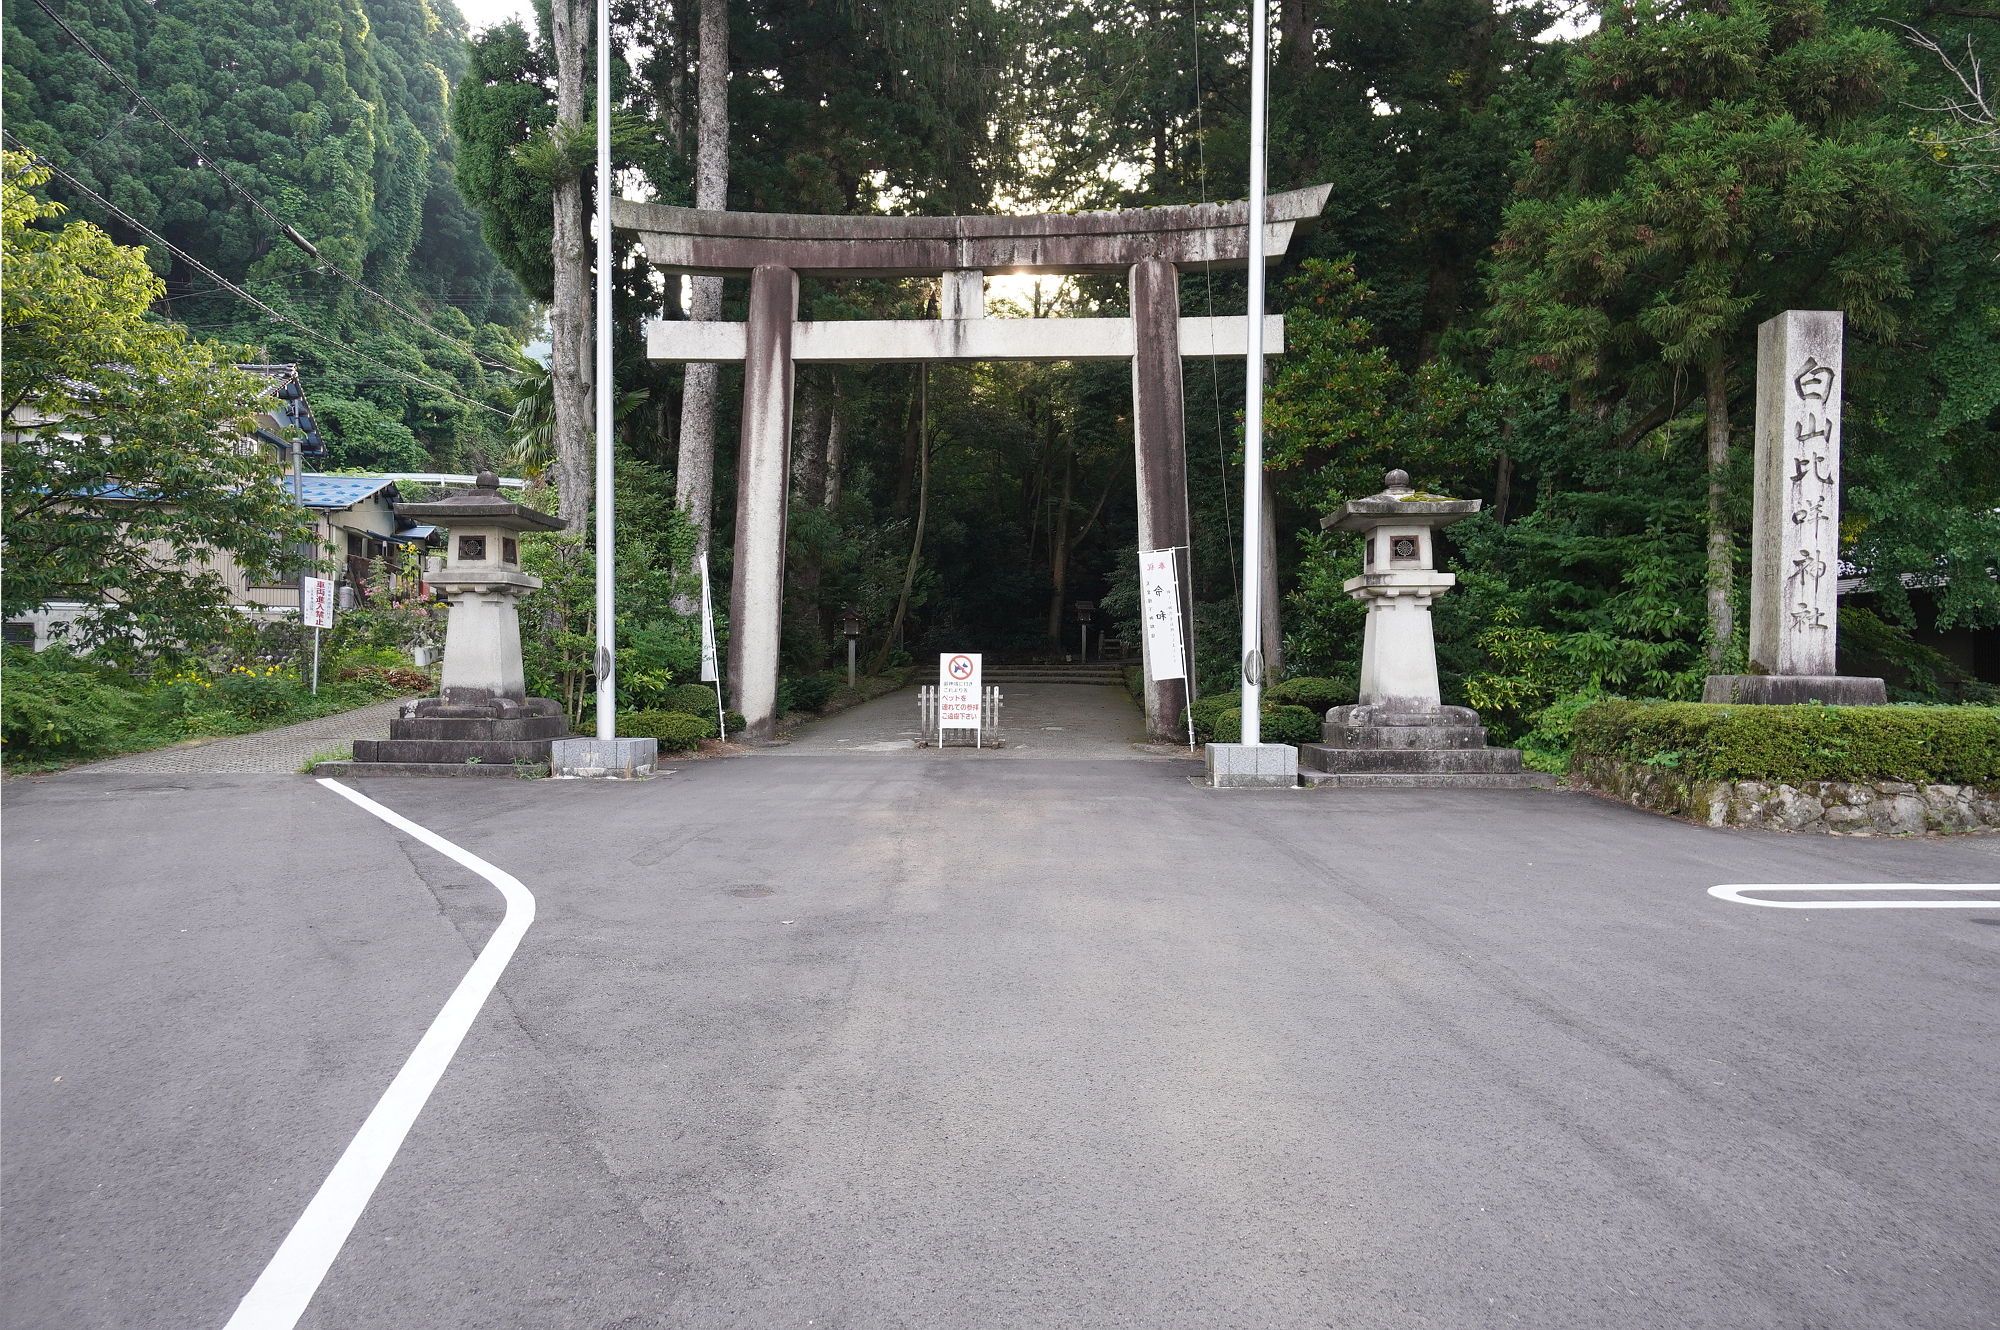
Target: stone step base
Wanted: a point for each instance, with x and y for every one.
(1404, 736)
(462, 770)
(451, 750)
(1455, 761)
(1054, 675)
(1429, 780)
(473, 729)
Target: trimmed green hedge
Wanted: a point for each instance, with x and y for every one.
(677, 731)
(691, 699)
(1312, 693)
(1790, 745)
(1218, 719)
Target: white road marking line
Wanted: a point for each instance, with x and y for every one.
(1735, 892)
(279, 1297)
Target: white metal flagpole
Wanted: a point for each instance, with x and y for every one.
(607, 628)
(1253, 399)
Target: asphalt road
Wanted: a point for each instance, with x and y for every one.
(863, 1043)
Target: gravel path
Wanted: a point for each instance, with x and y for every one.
(284, 749)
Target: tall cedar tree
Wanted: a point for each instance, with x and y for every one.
(1713, 165)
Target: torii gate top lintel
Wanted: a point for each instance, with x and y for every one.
(723, 243)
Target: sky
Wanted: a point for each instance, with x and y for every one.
(490, 13)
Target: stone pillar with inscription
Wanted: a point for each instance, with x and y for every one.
(1795, 530)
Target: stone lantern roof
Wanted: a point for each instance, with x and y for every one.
(482, 504)
(1400, 504)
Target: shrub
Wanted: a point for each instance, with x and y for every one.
(56, 706)
(1791, 745)
(1551, 736)
(677, 731)
(694, 699)
(258, 692)
(807, 693)
(1314, 694)
(389, 680)
(1218, 719)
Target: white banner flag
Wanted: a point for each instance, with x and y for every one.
(709, 673)
(1160, 607)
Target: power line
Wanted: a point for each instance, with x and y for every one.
(236, 290)
(204, 158)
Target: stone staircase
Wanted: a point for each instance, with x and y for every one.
(1095, 672)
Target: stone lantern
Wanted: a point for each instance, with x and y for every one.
(483, 721)
(1400, 732)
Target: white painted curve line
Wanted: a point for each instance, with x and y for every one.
(1734, 893)
(279, 1297)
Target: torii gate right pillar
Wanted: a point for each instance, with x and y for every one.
(1159, 448)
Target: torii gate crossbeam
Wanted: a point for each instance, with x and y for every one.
(775, 249)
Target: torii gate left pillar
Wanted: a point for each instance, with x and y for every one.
(1145, 245)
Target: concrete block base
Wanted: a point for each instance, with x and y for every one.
(627, 759)
(1253, 766)
(1777, 690)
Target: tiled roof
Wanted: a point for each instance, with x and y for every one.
(318, 491)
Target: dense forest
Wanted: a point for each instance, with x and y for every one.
(1537, 283)
(330, 117)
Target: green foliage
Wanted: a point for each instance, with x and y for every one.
(809, 692)
(677, 731)
(1551, 738)
(1315, 695)
(363, 436)
(1794, 744)
(333, 114)
(259, 693)
(127, 438)
(694, 698)
(658, 646)
(1708, 169)
(59, 708)
(1873, 647)
(1219, 719)
(1280, 724)
(56, 705)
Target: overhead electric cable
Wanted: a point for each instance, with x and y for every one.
(204, 158)
(233, 288)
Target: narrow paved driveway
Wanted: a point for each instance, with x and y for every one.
(285, 749)
(949, 1042)
(1054, 720)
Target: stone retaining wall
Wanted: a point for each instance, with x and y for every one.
(1878, 807)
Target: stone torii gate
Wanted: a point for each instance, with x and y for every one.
(1148, 245)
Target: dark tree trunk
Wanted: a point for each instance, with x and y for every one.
(571, 347)
(922, 417)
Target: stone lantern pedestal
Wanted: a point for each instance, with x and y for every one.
(482, 723)
(1400, 733)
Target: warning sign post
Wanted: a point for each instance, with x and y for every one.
(958, 695)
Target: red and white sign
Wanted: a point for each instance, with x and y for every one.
(958, 691)
(316, 601)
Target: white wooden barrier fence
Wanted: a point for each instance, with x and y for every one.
(990, 703)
